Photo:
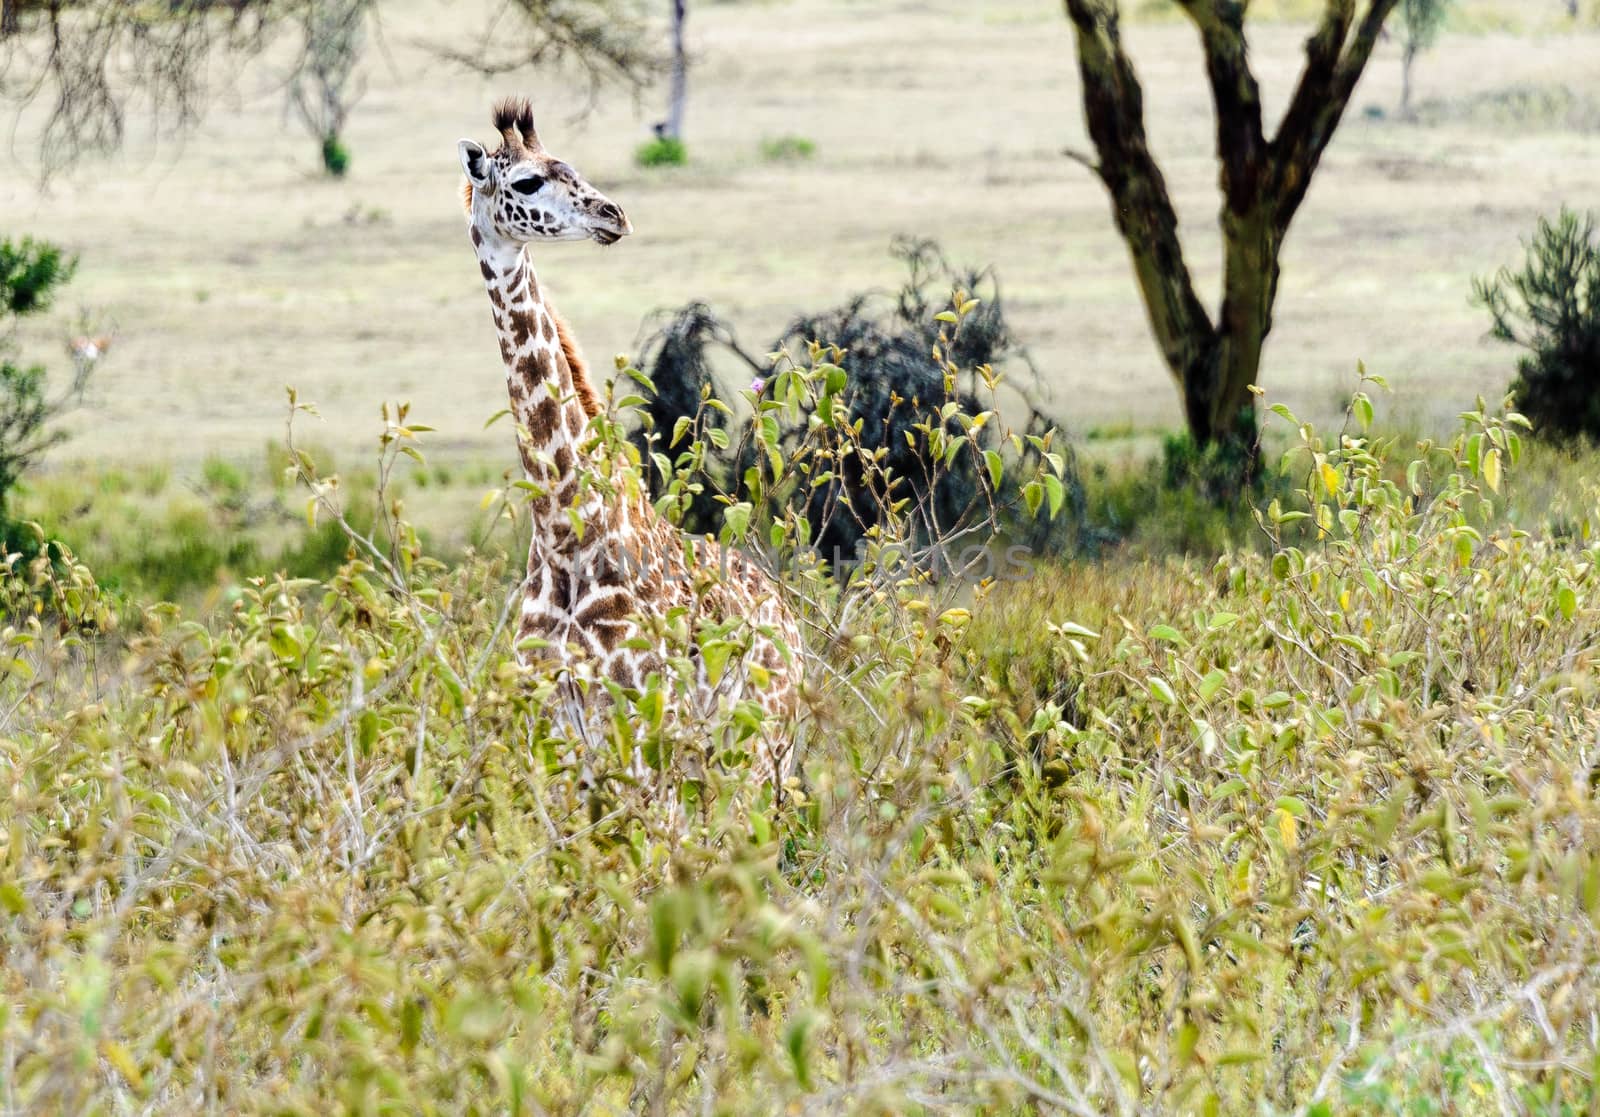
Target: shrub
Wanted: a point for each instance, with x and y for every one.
(1551, 309)
(31, 274)
(678, 411)
(787, 149)
(335, 157)
(905, 368)
(663, 151)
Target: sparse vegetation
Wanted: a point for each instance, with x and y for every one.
(89, 63)
(324, 86)
(1420, 24)
(787, 149)
(663, 151)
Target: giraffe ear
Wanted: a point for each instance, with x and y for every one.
(475, 162)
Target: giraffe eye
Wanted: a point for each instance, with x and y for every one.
(529, 185)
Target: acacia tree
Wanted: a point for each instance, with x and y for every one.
(1263, 181)
(325, 86)
(90, 62)
(1420, 23)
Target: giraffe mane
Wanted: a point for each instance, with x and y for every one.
(466, 194)
(579, 367)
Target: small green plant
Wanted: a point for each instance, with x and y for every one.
(335, 157)
(663, 151)
(1550, 308)
(787, 149)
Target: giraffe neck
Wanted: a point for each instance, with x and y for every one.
(546, 391)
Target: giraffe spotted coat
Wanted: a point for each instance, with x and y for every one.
(595, 588)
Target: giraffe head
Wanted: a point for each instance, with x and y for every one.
(521, 193)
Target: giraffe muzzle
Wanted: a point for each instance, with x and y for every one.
(615, 224)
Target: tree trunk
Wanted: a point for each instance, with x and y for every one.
(680, 72)
(1407, 57)
(1262, 182)
(10, 22)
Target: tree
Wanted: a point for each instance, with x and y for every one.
(1263, 182)
(679, 92)
(321, 88)
(1420, 22)
(30, 276)
(93, 61)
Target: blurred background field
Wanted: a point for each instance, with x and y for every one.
(818, 131)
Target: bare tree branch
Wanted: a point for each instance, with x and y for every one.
(1334, 64)
(96, 64)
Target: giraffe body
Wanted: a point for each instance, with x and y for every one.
(606, 573)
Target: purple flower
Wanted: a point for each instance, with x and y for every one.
(758, 384)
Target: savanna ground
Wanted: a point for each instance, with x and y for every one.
(1302, 825)
(230, 270)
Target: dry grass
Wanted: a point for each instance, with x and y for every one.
(230, 270)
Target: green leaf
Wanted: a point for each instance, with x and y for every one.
(714, 655)
(1491, 469)
(1032, 497)
(410, 1024)
(991, 458)
(795, 1038)
(736, 520)
(1294, 806)
(1168, 633)
(1057, 493)
(1566, 601)
(1161, 690)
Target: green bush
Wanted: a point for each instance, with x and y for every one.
(787, 149)
(148, 537)
(31, 275)
(335, 157)
(663, 151)
(1551, 310)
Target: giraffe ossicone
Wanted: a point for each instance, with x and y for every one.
(606, 574)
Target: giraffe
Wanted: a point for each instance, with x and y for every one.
(606, 573)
